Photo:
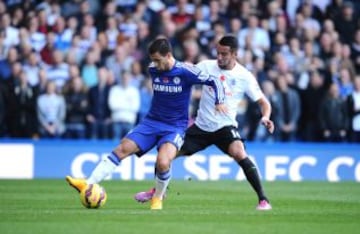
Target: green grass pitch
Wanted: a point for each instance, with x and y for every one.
(52, 207)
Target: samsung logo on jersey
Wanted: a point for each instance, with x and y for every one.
(167, 88)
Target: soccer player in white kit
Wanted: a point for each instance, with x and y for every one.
(220, 129)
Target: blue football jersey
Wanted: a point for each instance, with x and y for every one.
(172, 90)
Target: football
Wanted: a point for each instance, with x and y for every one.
(93, 196)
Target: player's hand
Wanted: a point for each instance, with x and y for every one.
(268, 124)
(221, 108)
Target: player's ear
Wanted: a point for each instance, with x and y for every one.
(234, 53)
(168, 55)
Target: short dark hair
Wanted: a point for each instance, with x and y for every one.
(229, 40)
(161, 45)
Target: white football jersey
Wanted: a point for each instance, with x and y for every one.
(237, 82)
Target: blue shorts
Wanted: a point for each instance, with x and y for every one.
(149, 133)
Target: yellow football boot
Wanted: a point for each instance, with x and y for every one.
(156, 203)
(78, 184)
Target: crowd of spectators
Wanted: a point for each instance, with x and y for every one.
(77, 69)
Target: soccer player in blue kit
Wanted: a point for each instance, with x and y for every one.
(165, 124)
(221, 130)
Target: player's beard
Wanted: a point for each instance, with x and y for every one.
(225, 64)
(222, 64)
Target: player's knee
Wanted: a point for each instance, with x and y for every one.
(162, 164)
(237, 152)
(238, 155)
(124, 149)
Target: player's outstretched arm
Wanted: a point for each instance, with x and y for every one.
(266, 112)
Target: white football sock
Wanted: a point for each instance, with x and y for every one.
(102, 170)
(161, 183)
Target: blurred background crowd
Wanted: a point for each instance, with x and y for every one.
(78, 69)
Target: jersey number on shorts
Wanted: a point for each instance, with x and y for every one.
(235, 133)
(178, 140)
